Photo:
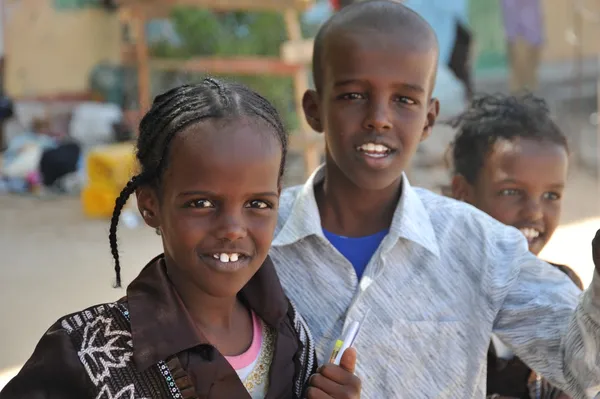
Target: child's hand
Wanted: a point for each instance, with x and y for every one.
(596, 251)
(336, 382)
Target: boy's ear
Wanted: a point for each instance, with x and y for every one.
(311, 106)
(433, 110)
(461, 189)
(147, 203)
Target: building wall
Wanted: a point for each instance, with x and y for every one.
(560, 19)
(50, 51)
(560, 23)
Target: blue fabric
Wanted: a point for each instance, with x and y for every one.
(19, 142)
(442, 15)
(357, 250)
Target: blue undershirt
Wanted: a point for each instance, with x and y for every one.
(358, 251)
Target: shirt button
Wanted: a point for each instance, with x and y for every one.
(365, 282)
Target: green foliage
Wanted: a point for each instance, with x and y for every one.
(207, 33)
(75, 4)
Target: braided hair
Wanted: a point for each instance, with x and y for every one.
(174, 111)
(493, 117)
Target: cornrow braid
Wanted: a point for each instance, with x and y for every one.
(174, 111)
(493, 117)
(221, 90)
(112, 234)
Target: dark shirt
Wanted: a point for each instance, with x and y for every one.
(160, 328)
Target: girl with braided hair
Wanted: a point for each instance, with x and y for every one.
(510, 160)
(207, 318)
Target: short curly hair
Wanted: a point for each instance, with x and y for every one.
(492, 117)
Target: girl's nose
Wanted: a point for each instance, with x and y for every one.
(232, 227)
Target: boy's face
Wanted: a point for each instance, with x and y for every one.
(374, 105)
(521, 184)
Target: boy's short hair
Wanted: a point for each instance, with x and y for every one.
(378, 16)
(493, 117)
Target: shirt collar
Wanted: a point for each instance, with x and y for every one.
(161, 325)
(411, 220)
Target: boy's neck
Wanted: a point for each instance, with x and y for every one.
(348, 210)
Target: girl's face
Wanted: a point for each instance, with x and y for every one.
(521, 184)
(217, 205)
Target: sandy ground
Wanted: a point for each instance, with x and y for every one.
(56, 261)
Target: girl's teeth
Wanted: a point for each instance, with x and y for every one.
(226, 258)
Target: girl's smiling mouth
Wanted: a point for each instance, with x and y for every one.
(226, 262)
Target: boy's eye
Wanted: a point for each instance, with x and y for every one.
(352, 96)
(258, 204)
(509, 192)
(406, 100)
(202, 203)
(551, 196)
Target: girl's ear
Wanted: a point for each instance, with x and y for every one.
(147, 203)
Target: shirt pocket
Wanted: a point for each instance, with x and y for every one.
(431, 357)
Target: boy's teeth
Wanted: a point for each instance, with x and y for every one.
(530, 233)
(226, 258)
(374, 148)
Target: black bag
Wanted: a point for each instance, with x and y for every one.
(7, 109)
(58, 162)
(459, 62)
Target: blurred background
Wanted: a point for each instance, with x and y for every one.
(76, 75)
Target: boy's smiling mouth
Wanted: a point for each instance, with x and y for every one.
(374, 150)
(531, 233)
(375, 154)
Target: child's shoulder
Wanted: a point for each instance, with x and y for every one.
(569, 272)
(103, 319)
(286, 204)
(456, 221)
(441, 207)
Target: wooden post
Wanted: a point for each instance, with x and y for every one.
(142, 59)
(598, 130)
(311, 152)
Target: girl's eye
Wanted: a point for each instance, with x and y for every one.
(351, 96)
(551, 196)
(202, 203)
(509, 192)
(258, 204)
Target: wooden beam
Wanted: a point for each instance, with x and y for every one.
(310, 148)
(301, 140)
(226, 65)
(142, 60)
(162, 8)
(297, 51)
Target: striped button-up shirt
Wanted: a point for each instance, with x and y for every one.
(444, 278)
